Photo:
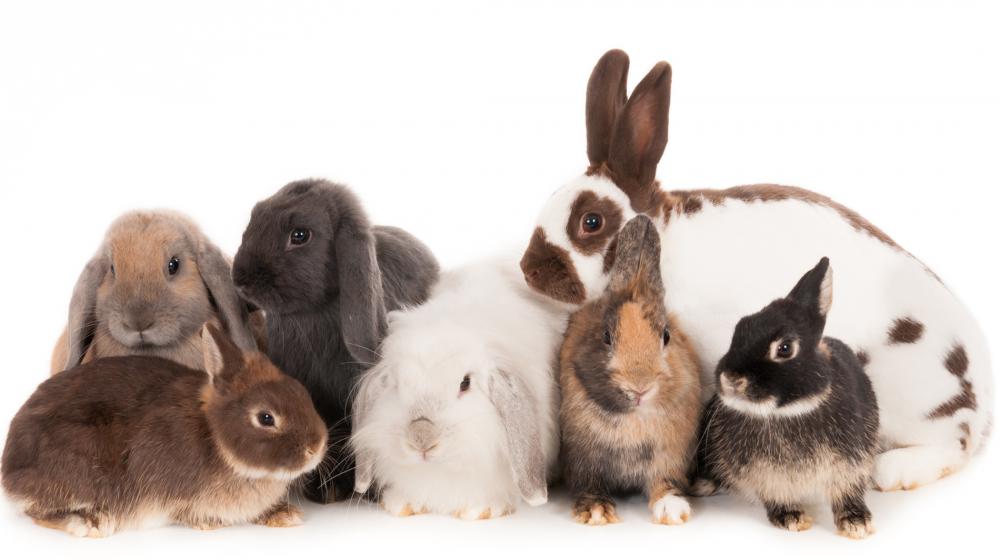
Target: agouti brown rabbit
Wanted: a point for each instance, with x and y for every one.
(129, 441)
(630, 391)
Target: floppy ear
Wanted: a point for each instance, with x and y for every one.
(640, 136)
(512, 400)
(606, 95)
(369, 391)
(362, 305)
(222, 358)
(82, 308)
(815, 289)
(637, 258)
(216, 273)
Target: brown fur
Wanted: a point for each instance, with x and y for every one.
(137, 247)
(905, 330)
(957, 363)
(117, 441)
(610, 442)
(550, 270)
(588, 203)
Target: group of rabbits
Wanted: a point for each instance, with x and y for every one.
(665, 342)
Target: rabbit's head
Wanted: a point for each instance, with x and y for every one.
(626, 138)
(262, 421)
(153, 283)
(309, 247)
(774, 365)
(430, 405)
(620, 343)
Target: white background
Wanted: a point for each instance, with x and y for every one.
(456, 121)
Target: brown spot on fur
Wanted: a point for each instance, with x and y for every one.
(824, 349)
(681, 200)
(966, 433)
(957, 363)
(905, 330)
(864, 358)
(549, 270)
(588, 203)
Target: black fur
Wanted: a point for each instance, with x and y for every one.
(326, 300)
(844, 427)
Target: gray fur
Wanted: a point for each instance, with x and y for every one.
(326, 300)
(512, 400)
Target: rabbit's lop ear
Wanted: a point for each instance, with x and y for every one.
(217, 275)
(369, 391)
(640, 136)
(815, 288)
(606, 95)
(637, 258)
(362, 308)
(82, 308)
(512, 400)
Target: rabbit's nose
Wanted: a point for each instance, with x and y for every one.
(140, 321)
(422, 436)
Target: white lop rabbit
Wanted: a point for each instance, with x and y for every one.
(459, 416)
(726, 251)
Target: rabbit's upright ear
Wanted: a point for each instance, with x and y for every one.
(222, 358)
(216, 274)
(606, 95)
(362, 305)
(637, 259)
(512, 399)
(82, 307)
(640, 136)
(369, 390)
(815, 289)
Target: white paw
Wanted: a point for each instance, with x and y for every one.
(856, 529)
(399, 506)
(78, 526)
(480, 513)
(908, 468)
(671, 510)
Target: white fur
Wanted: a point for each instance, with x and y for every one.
(479, 320)
(671, 510)
(768, 408)
(729, 260)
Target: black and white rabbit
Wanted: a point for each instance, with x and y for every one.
(795, 419)
(325, 278)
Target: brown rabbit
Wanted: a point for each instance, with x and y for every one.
(630, 391)
(153, 283)
(128, 441)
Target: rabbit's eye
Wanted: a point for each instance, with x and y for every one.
(173, 265)
(466, 383)
(607, 338)
(265, 419)
(591, 223)
(112, 269)
(783, 349)
(666, 337)
(299, 236)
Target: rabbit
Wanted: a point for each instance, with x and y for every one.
(724, 250)
(630, 391)
(459, 416)
(795, 418)
(152, 284)
(136, 441)
(325, 278)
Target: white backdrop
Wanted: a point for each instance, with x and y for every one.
(456, 121)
